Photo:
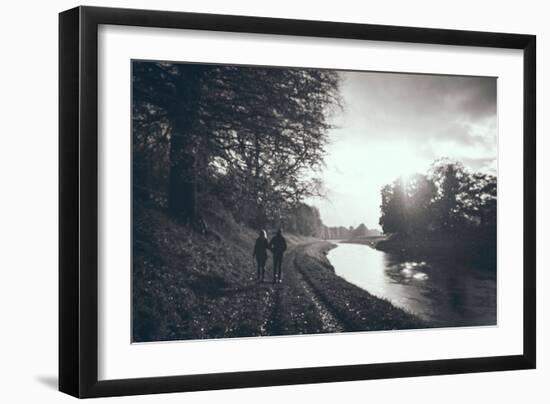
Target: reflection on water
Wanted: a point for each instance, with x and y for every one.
(443, 291)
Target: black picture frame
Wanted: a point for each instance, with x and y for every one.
(78, 201)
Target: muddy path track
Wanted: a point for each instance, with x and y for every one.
(297, 307)
(330, 321)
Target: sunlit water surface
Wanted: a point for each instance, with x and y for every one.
(443, 291)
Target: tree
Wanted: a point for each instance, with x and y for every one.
(421, 192)
(279, 135)
(450, 178)
(393, 217)
(304, 219)
(479, 200)
(170, 93)
(360, 231)
(449, 200)
(184, 150)
(246, 135)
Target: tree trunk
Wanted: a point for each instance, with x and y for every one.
(182, 187)
(260, 217)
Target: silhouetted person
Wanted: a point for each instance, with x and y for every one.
(278, 246)
(260, 253)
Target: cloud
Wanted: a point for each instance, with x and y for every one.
(422, 107)
(398, 124)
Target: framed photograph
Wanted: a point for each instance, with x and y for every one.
(251, 201)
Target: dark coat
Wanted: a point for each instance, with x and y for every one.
(260, 249)
(278, 245)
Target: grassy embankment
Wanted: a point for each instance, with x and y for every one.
(192, 286)
(356, 309)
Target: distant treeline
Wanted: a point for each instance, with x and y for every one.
(346, 233)
(447, 203)
(306, 220)
(245, 139)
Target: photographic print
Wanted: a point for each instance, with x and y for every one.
(271, 201)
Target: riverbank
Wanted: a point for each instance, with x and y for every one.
(357, 309)
(370, 241)
(471, 250)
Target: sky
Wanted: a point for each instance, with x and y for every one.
(398, 124)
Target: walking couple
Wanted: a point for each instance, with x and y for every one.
(277, 246)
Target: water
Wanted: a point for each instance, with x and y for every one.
(441, 291)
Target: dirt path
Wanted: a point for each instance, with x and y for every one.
(298, 309)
